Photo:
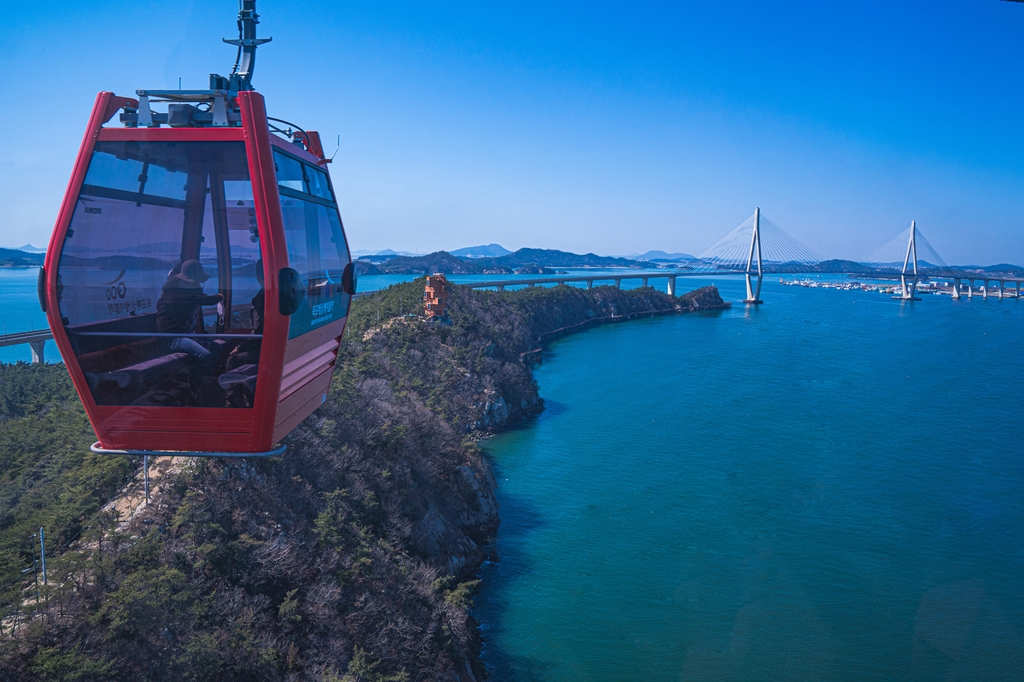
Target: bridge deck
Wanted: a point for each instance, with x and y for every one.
(37, 339)
(38, 336)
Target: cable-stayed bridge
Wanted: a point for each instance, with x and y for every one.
(757, 247)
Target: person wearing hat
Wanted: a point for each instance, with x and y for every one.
(248, 351)
(179, 310)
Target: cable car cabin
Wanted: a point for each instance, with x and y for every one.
(198, 279)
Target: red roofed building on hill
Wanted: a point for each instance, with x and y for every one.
(435, 297)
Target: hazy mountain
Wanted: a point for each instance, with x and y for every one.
(359, 253)
(441, 261)
(16, 258)
(660, 255)
(1005, 269)
(840, 265)
(488, 251)
(28, 248)
(558, 259)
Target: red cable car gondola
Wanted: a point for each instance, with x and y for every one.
(198, 280)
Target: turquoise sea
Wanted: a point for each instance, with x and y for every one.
(21, 302)
(826, 487)
(21, 313)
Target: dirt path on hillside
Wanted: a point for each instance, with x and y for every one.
(132, 500)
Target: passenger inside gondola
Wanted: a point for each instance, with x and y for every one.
(240, 378)
(179, 310)
(248, 351)
(161, 276)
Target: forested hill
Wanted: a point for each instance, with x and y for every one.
(351, 557)
(559, 259)
(441, 261)
(15, 258)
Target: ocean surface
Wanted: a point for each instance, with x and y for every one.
(21, 313)
(826, 487)
(21, 302)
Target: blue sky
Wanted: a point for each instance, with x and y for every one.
(605, 127)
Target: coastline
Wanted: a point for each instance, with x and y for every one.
(358, 549)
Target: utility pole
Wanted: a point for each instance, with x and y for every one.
(42, 552)
(35, 567)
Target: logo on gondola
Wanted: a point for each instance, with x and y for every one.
(116, 287)
(322, 312)
(116, 293)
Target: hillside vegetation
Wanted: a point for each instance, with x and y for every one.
(48, 477)
(439, 261)
(531, 259)
(15, 258)
(351, 557)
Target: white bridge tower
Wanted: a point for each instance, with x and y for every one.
(908, 277)
(754, 293)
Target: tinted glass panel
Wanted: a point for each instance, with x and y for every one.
(317, 250)
(318, 185)
(316, 243)
(160, 276)
(289, 172)
(301, 176)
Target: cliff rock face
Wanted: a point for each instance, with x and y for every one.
(352, 556)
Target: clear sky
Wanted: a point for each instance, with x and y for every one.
(598, 126)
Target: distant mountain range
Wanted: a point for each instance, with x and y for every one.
(439, 261)
(479, 260)
(558, 259)
(660, 256)
(925, 268)
(530, 260)
(16, 258)
(494, 251)
(370, 254)
(488, 251)
(1002, 268)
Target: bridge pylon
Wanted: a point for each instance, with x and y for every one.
(754, 292)
(909, 276)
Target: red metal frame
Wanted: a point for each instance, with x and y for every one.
(275, 411)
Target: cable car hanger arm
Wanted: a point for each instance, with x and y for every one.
(247, 42)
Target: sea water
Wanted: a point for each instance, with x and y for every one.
(19, 301)
(829, 486)
(21, 312)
